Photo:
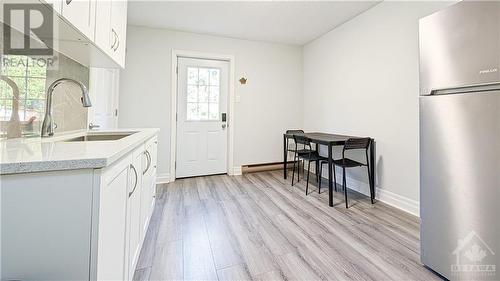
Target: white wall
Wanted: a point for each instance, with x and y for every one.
(362, 79)
(270, 102)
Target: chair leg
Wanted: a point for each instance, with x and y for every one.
(369, 180)
(345, 187)
(317, 171)
(320, 174)
(293, 172)
(307, 181)
(334, 178)
(298, 170)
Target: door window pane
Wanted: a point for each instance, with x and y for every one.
(203, 91)
(214, 94)
(203, 111)
(192, 93)
(203, 76)
(203, 94)
(192, 74)
(214, 77)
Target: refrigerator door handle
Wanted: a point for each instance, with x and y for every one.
(466, 89)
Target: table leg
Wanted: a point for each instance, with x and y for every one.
(372, 170)
(285, 155)
(330, 176)
(317, 165)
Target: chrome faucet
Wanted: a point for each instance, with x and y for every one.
(48, 124)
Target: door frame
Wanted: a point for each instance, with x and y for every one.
(176, 53)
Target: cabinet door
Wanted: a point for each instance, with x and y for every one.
(103, 36)
(81, 14)
(112, 224)
(146, 195)
(134, 213)
(56, 5)
(119, 30)
(154, 164)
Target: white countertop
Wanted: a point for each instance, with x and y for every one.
(27, 155)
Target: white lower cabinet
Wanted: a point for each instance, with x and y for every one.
(134, 213)
(78, 224)
(148, 184)
(112, 223)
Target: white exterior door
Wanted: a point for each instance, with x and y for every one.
(202, 114)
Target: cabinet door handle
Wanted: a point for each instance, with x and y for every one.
(68, 2)
(136, 179)
(117, 45)
(148, 157)
(115, 39)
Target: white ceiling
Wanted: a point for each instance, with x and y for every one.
(296, 22)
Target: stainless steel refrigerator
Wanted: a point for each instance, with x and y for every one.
(460, 141)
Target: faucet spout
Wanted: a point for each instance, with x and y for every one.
(48, 124)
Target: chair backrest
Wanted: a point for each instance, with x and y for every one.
(301, 140)
(294, 131)
(357, 143)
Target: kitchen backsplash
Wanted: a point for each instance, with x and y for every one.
(22, 117)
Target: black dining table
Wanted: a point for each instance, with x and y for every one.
(331, 140)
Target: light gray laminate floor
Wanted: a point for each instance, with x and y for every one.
(257, 226)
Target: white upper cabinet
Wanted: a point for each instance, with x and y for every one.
(103, 35)
(119, 27)
(56, 5)
(81, 14)
(111, 29)
(103, 24)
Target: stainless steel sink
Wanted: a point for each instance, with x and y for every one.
(101, 137)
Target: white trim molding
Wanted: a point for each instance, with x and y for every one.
(236, 171)
(163, 178)
(173, 103)
(390, 198)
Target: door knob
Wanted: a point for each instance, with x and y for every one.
(92, 126)
(223, 125)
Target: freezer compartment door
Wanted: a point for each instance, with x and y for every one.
(460, 46)
(460, 183)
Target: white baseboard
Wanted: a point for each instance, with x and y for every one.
(236, 171)
(165, 178)
(162, 178)
(390, 198)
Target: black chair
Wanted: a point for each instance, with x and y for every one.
(307, 154)
(351, 144)
(321, 163)
(291, 132)
(295, 148)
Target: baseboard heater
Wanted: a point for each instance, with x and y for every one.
(265, 167)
